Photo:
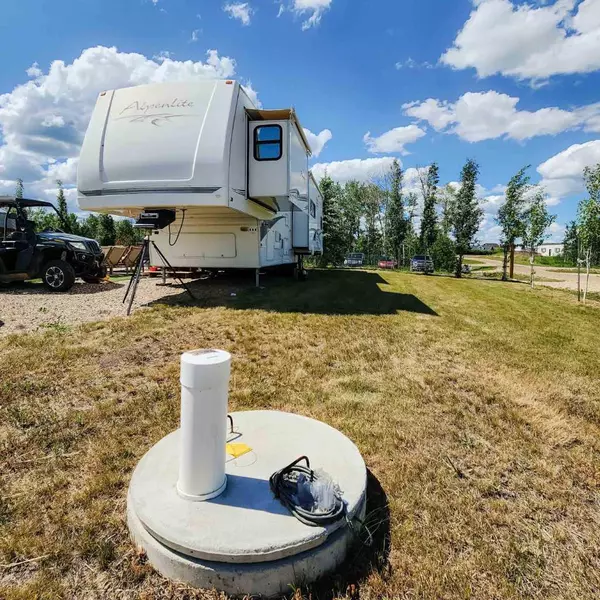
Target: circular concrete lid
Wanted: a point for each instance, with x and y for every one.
(246, 524)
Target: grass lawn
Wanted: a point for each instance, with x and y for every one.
(523, 259)
(516, 276)
(475, 403)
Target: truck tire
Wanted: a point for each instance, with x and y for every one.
(88, 279)
(58, 276)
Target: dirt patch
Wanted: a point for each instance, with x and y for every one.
(30, 306)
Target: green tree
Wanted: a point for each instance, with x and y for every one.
(443, 253)
(396, 222)
(465, 213)
(511, 215)
(126, 234)
(335, 244)
(44, 219)
(447, 195)
(537, 219)
(19, 188)
(66, 221)
(373, 198)
(412, 200)
(90, 227)
(61, 201)
(352, 201)
(589, 220)
(429, 188)
(106, 233)
(571, 244)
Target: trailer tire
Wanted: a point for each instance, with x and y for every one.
(58, 276)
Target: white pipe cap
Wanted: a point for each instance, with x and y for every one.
(205, 369)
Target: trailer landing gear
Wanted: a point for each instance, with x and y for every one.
(300, 273)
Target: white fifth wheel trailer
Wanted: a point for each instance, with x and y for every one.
(236, 176)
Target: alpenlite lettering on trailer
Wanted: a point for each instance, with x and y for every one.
(144, 106)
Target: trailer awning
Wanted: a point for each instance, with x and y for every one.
(281, 114)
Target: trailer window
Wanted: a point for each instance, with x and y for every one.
(313, 209)
(268, 142)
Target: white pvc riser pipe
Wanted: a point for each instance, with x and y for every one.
(204, 391)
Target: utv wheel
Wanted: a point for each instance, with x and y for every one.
(58, 276)
(92, 279)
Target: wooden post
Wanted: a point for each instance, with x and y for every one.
(512, 261)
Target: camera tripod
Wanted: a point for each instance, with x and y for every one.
(137, 271)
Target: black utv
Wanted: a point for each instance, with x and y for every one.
(56, 257)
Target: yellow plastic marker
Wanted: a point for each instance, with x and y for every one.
(237, 450)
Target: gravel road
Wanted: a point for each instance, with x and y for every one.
(30, 306)
(566, 280)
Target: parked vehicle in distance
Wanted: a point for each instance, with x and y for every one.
(421, 264)
(387, 263)
(52, 255)
(466, 269)
(354, 259)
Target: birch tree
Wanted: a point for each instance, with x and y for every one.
(537, 219)
(589, 221)
(447, 195)
(589, 233)
(511, 214)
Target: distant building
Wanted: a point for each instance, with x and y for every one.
(547, 249)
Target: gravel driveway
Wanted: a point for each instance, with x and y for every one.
(566, 280)
(30, 306)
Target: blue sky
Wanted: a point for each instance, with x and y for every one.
(507, 83)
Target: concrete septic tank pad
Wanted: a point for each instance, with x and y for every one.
(245, 540)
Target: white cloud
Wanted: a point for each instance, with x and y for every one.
(478, 116)
(252, 94)
(393, 140)
(53, 121)
(34, 70)
(241, 11)
(317, 142)
(313, 8)
(562, 174)
(162, 55)
(436, 112)
(411, 63)
(43, 121)
(571, 162)
(528, 41)
(194, 36)
(358, 169)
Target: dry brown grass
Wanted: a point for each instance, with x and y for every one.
(475, 405)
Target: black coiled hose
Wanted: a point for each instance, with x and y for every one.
(284, 485)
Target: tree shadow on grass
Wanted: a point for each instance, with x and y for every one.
(369, 554)
(327, 292)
